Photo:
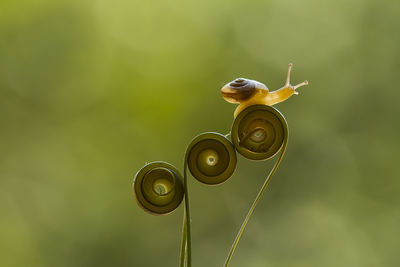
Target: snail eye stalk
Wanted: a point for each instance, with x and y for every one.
(258, 132)
(211, 158)
(158, 188)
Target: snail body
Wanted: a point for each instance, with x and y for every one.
(247, 92)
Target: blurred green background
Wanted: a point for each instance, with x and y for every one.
(92, 90)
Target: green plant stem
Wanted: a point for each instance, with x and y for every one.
(255, 203)
(183, 242)
(187, 217)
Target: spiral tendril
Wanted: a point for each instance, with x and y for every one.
(158, 188)
(258, 132)
(211, 158)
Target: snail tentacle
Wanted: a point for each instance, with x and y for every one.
(286, 91)
(300, 85)
(287, 84)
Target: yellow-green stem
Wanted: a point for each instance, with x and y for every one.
(183, 242)
(255, 203)
(187, 213)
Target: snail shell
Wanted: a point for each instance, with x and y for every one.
(158, 188)
(211, 158)
(241, 89)
(259, 131)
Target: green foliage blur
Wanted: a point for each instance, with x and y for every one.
(92, 90)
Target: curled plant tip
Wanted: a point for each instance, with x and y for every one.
(158, 188)
(258, 132)
(211, 158)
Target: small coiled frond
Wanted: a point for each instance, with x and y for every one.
(259, 131)
(158, 188)
(211, 158)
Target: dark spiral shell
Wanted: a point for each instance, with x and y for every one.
(238, 90)
(211, 158)
(158, 188)
(259, 131)
(243, 83)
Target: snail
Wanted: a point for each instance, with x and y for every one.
(247, 92)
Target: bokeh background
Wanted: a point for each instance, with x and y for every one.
(92, 90)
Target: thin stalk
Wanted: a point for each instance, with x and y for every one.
(187, 213)
(183, 242)
(255, 203)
